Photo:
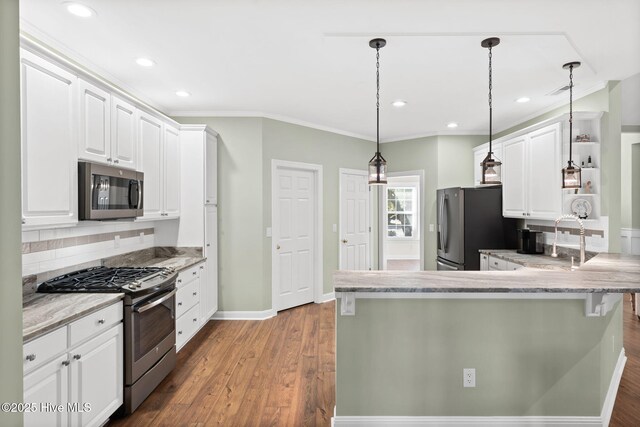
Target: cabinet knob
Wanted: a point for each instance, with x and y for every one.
(77, 356)
(195, 320)
(116, 161)
(24, 221)
(179, 304)
(65, 363)
(207, 201)
(202, 267)
(179, 332)
(208, 244)
(195, 293)
(179, 280)
(109, 159)
(194, 273)
(100, 321)
(31, 357)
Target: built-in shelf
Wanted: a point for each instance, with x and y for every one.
(578, 144)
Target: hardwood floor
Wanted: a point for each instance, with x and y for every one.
(281, 372)
(275, 372)
(626, 411)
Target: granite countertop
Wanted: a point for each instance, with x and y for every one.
(42, 313)
(541, 261)
(603, 273)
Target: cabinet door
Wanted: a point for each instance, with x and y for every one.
(47, 385)
(95, 112)
(514, 177)
(49, 143)
(209, 285)
(96, 378)
(211, 170)
(544, 173)
(171, 172)
(484, 262)
(150, 140)
(124, 141)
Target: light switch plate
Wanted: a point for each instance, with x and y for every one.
(268, 231)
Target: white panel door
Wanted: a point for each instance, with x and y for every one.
(95, 123)
(211, 170)
(97, 377)
(544, 173)
(150, 139)
(514, 199)
(354, 221)
(124, 141)
(171, 172)
(49, 143)
(48, 384)
(209, 288)
(294, 236)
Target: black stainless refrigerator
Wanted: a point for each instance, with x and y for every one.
(470, 219)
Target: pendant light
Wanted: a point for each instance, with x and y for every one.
(491, 166)
(571, 175)
(377, 164)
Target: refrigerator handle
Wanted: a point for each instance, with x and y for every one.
(441, 202)
(445, 211)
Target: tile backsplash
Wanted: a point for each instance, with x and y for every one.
(53, 249)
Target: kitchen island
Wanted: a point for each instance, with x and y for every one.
(546, 345)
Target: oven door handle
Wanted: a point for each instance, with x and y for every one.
(154, 303)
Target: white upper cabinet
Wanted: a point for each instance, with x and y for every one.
(532, 187)
(211, 170)
(171, 158)
(150, 140)
(124, 141)
(95, 109)
(49, 143)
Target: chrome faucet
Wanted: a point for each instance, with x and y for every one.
(582, 239)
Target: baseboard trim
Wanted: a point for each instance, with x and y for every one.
(542, 421)
(345, 421)
(612, 392)
(244, 315)
(327, 297)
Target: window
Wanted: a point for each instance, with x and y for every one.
(402, 212)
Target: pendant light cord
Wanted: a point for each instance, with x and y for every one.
(490, 103)
(570, 115)
(378, 98)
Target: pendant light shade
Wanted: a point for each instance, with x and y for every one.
(571, 175)
(491, 165)
(377, 164)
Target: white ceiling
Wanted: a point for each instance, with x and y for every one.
(309, 61)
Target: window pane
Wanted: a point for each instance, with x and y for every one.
(408, 231)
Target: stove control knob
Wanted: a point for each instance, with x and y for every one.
(132, 287)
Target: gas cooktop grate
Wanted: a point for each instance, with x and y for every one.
(97, 279)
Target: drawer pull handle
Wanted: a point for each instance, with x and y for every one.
(495, 263)
(31, 357)
(65, 363)
(194, 273)
(77, 356)
(100, 321)
(179, 304)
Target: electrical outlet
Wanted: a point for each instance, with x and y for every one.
(116, 241)
(469, 377)
(432, 228)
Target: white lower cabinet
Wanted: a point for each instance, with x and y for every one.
(76, 385)
(191, 300)
(491, 263)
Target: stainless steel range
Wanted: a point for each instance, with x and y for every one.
(149, 321)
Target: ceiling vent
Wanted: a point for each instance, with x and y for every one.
(559, 90)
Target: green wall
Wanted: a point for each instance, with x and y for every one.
(630, 180)
(10, 244)
(532, 357)
(447, 161)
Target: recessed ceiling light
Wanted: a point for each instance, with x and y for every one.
(145, 62)
(182, 93)
(79, 9)
(523, 99)
(399, 103)
(452, 125)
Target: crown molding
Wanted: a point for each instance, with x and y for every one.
(440, 133)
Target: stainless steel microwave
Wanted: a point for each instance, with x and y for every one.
(108, 192)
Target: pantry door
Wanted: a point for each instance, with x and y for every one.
(296, 235)
(355, 220)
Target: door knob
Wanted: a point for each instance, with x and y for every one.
(277, 246)
(344, 241)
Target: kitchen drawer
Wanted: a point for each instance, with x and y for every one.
(187, 296)
(497, 264)
(187, 276)
(484, 262)
(35, 353)
(187, 325)
(514, 266)
(95, 323)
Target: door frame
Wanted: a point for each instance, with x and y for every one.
(365, 173)
(382, 226)
(318, 265)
